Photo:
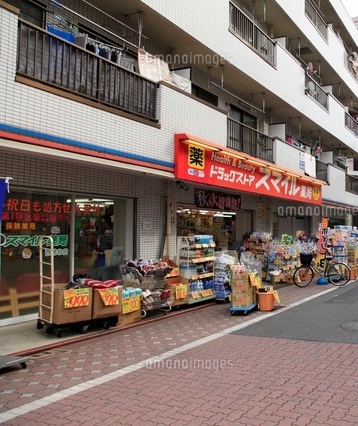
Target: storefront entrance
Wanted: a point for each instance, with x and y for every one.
(94, 243)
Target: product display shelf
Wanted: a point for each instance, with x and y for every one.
(196, 259)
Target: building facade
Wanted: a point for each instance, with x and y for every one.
(126, 124)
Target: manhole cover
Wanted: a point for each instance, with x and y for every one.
(353, 325)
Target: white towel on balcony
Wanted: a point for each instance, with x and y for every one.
(310, 165)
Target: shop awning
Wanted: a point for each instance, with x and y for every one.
(60, 152)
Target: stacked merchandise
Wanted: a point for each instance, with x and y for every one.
(223, 260)
(243, 296)
(341, 237)
(131, 306)
(253, 265)
(145, 282)
(283, 259)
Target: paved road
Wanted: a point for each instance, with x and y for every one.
(333, 318)
(201, 368)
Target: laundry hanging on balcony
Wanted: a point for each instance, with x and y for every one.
(67, 35)
(310, 165)
(353, 61)
(154, 68)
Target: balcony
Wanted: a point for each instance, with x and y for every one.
(245, 139)
(315, 17)
(351, 184)
(315, 91)
(56, 62)
(322, 171)
(351, 123)
(244, 28)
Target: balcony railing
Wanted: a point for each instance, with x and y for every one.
(246, 30)
(250, 141)
(322, 171)
(61, 64)
(351, 184)
(351, 123)
(313, 89)
(316, 18)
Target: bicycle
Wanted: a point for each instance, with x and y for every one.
(337, 273)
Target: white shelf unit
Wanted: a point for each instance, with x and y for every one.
(195, 257)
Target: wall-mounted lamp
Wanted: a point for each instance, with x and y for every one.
(181, 185)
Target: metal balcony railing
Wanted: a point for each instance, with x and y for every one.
(313, 89)
(322, 171)
(351, 123)
(244, 28)
(351, 184)
(250, 141)
(315, 17)
(56, 62)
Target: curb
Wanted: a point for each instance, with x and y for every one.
(94, 334)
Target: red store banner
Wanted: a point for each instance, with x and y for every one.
(198, 162)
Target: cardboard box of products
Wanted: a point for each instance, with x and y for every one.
(69, 306)
(179, 290)
(106, 303)
(129, 318)
(243, 299)
(242, 285)
(131, 309)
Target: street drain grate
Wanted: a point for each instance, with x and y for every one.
(353, 325)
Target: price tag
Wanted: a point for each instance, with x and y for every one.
(130, 304)
(76, 297)
(207, 292)
(109, 296)
(195, 295)
(181, 291)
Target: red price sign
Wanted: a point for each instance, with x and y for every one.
(195, 295)
(109, 296)
(75, 298)
(130, 304)
(181, 291)
(207, 292)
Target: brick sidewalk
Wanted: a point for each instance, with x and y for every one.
(187, 369)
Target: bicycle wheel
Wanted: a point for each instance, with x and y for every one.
(339, 274)
(303, 276)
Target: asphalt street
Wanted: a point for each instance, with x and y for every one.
(332, 318)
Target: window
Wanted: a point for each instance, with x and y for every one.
(31, 11)
(243, 117)
(204, 95)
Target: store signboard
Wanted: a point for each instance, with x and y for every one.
(322, 235)
(217, 200)
(199, 163)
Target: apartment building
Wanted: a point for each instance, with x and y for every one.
(125, 124)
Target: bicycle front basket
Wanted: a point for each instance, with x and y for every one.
(306, 259)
